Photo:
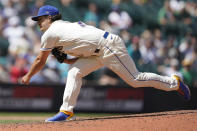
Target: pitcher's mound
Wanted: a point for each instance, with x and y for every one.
(185, 120)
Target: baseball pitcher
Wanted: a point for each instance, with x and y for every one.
(93, 49)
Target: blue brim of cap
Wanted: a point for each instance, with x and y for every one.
(35, 18)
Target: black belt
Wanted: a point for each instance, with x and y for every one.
(104, 36)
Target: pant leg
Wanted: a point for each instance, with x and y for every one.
(79, 69)
(118, 60)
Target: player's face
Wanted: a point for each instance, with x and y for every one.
(44, 22)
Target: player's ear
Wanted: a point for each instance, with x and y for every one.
(50, 17)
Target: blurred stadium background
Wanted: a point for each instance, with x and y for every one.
(160, 35)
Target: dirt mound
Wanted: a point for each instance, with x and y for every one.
(163, 121)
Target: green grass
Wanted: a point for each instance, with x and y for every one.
(40, 114)
(25, 114)
(51, 114)
(22, 114)
(17, 121)
(96, 114)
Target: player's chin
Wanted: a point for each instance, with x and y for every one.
(41, 29)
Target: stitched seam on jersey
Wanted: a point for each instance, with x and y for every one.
(129, 71)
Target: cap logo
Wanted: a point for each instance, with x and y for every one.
(47, 12)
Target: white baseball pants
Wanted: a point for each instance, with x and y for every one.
(114, 55)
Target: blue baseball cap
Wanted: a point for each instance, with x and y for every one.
(46, 10)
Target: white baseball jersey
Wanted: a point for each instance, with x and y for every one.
(82, 40)
(76, 38)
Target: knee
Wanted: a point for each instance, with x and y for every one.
(75, 73)
(133, 83)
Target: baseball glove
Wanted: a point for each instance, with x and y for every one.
(60, 56)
